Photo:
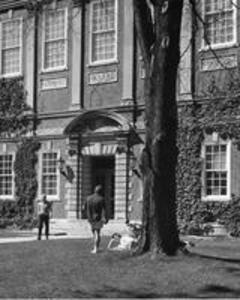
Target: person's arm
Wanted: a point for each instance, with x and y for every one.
(104, 213)
(50, 209)
(89, 215)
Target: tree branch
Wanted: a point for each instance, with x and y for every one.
(145, 29)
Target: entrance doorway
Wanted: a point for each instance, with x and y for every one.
(102, 170)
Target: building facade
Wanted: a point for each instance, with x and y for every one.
(84, 76)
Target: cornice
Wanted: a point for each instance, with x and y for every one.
(10, 4)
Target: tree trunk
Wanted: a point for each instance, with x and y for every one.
(159, 157)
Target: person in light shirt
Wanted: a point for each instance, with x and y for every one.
(44, 209)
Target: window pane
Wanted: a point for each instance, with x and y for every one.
(54, 54)
(11, 47)
(219, 20)
(55, 42)
(11, 61)
(103, 30)
(215, 168)
(103, 46)
(49, 174)
(55, 25)
(6, 175)
(103, 15)
(11, 34)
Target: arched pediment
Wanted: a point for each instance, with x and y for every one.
(97, 121)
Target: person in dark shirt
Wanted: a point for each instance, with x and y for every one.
(44, 209)
(96, 215)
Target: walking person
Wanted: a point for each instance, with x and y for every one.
(44, 209)
(96, 215)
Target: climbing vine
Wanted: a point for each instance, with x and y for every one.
(217, 114)
(14, 111)
(26, 183)
(16, 121)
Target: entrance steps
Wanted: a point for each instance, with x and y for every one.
(82, 229)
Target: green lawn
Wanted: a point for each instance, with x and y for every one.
(6, 233)
(66, 269)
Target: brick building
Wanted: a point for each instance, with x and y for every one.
(84, 75)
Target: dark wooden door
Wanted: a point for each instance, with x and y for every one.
(103, 174)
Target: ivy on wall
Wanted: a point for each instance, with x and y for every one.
(20, 212)
(15, 121)
(219, 115)
(14, 112)
(26, 183)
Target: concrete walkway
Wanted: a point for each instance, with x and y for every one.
(6, 240)
(62, 229)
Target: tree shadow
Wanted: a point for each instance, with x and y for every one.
(219, 291)
(235, 271)
(213, 257)
(112, 292)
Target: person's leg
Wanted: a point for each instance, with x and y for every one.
(46, 227)
(40, 225)
(96, 240)
(94, 250)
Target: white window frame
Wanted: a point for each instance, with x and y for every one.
(105, 61)
(220, 45)
(10, 197)
(59, 68)
(15, 74)
(40, 194)
(226, 197)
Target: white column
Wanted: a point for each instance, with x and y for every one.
(71, 190)
(29, 60)
(76, 57)
(120, 185)
(185, 66)
(128, 26)
(85, 179)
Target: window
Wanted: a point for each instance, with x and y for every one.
(103, 31)
(216, 171)
(220, 20)
(11, 47)
(50, 174)
(55, 40)
(6, 176)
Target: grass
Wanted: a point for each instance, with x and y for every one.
(66, 269)
(6, 233)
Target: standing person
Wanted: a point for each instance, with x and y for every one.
(96, 215)
(44, 209)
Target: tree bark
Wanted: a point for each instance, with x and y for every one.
(159, 157)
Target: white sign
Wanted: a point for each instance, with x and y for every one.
(103, 77)
(218, 63)
(53, 83)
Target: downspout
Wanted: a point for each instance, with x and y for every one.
(134, 83)
(82, 104)
(193, 48)
(35, 72)
(83, 15)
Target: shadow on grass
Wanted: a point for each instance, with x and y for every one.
(235, 271)
(213, 257)
(219, 291)
(112, 292)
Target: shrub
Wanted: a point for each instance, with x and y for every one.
(230, 217)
